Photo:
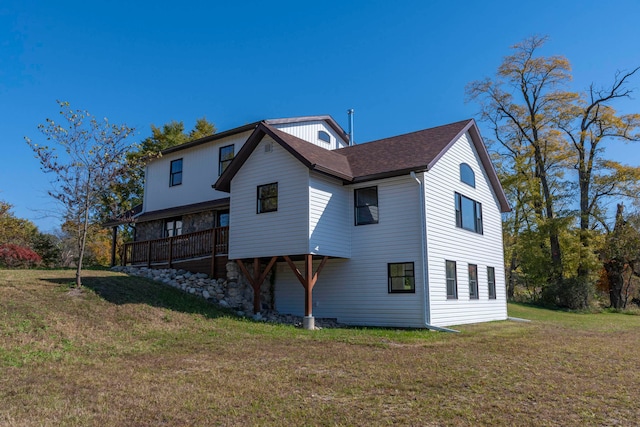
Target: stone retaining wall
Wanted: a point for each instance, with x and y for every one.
(234, 292)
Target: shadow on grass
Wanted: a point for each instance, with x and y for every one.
(137, 290)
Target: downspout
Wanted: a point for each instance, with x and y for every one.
(423, 247)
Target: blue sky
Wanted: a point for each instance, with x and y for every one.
(402, 65)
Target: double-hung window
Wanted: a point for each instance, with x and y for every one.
(225, 156)
(491, 282)
(173, 227)
(175, 173)
(401, 277)
(468, 213)
(473, 281)
(452, 280)
(366, 205)
(267, 198)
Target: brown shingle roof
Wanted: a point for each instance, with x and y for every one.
(396, 155)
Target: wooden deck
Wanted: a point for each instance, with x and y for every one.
(202, 249)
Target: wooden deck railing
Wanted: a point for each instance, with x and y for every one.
(212, 242)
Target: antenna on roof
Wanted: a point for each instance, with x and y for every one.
(350, 114)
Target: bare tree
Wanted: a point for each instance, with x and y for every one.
(92, 155)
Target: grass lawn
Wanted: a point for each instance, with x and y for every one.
(126, 351)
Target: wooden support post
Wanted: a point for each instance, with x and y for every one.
(170, 252)
(149, 253)
(114, 240)
(309, 279)
(256, 279)
(213, 253)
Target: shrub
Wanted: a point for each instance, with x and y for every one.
(15, 256)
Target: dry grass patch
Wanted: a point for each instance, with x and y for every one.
(127, 351)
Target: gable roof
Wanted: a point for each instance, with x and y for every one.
(384, 158)
(251, 126)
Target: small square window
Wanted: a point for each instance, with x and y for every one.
(491, 282)
(366, 205)
(473, 281)
(267, 198)
(401, 278)
(452, 280)
(175, 173)
(226, 154)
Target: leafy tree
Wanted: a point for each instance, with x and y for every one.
(48, 247)
(93, 156)
(13, 229)
(621, 259)
(520, 105)
(551, 145)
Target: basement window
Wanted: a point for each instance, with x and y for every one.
(401, 277)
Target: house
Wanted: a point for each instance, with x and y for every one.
(404, 231)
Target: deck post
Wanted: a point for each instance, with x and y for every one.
(114, 239)
(170, 252)
(149, 254)
(213, 253)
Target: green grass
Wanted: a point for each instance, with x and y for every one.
(127, 351)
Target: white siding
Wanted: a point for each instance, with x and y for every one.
(329, 227)
(447, 242)
(355, 290)
(284, 232)
(308, 131)
(199, 172)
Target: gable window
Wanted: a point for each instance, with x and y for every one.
(401, 277)
(323, 136)
(366, 204)
(452, 280)
(473, 281)
(267, 198)
(468, 213)
(175, 173)
(225, 156)
(466, 175)
(491, 282)
(173, 227)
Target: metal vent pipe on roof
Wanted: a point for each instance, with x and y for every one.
(350, 114)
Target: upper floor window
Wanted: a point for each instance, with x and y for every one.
(468, 213)
(473, 281)
(452, 280)
(366, 204)
(466, 175)
(175, 173)
(491, 282)
(267, 198)
(226, 155)
(324, 136)
(401, 277)
(173, 227)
